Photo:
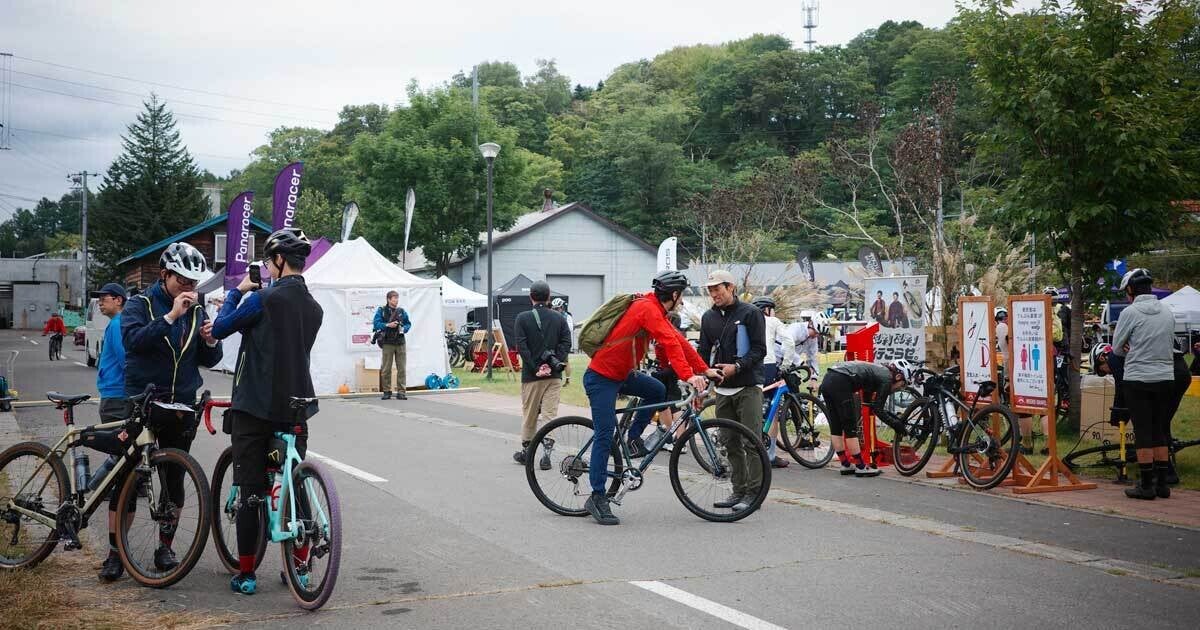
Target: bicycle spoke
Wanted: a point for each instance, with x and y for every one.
(559, 462)
(24, 480)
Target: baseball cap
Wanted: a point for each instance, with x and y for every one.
(112, 288)
(719, 276)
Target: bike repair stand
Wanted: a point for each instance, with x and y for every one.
(860, 346)
(1123, 467)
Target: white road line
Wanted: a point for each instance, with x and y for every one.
(348, 469)
(33, 342)
(720, 611)
(80, 364)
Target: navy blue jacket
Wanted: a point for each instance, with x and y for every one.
(167, 355)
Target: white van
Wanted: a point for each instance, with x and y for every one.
(93, 335)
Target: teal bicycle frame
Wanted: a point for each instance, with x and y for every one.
(279, 488)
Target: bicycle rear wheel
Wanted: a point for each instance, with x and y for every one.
(911, 452)
(42, 481)
(1104, 456)
(984, 458)
(166, 506)
(224, 502)
(558, 461)
(802, 419)
(698, 491)
(311, 561)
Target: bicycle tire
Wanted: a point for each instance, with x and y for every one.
(59, 471)
(1101, 457)
(223, 517)
(999, 456)
(703, 507)
(912, 452)
(129, 493)
(307, 596)
(800, 434)
(564, 464)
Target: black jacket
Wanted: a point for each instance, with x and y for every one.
(531, 341)
(167, 355)
(872, 379)
(719, 331)
(279, 325)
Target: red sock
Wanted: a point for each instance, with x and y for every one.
(246, 564)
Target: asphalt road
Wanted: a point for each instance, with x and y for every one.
(453, 538)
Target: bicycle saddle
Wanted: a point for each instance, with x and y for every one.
(64, 399)
(985, 388)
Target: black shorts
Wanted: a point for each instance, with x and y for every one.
(252, 438)
(841, 404)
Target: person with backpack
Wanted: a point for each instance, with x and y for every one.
(544, 341)
(390, 325)
(616, 336)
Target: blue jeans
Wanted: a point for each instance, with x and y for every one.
(602, 394)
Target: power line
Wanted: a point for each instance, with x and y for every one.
(100, 100)
(19, 197)
(110, 141)
(37, 161)
(171, 100)
(54, 164)
(176, 87)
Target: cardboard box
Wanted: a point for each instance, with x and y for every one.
(1097, 393)
(367, 380)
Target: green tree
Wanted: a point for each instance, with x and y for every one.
(149, 192)
(429, 145)
(1085, 98)
(317, 216)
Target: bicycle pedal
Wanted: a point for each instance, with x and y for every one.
(72, 544)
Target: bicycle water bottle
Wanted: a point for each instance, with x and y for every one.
(951, 413)
(81, 470)
(102, 472)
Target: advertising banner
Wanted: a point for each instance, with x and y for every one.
(666, 254)
(238, 247)
(896, 303)
(287, 193)
(976, 341)
(1031, 351)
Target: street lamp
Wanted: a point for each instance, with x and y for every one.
(489, 150)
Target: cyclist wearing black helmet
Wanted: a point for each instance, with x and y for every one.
(613, 371)
(279, 325)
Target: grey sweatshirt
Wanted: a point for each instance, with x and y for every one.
(1149, 329)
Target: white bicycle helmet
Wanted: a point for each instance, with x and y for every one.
(820, 324)
(557, 303)
(1052, 291)
(185, 260)
(1135, 276)
(1000, 313)
(905, 369)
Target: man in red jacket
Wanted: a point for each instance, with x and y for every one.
(613, 371)
(54, 325)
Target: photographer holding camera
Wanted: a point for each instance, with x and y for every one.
(544, 341)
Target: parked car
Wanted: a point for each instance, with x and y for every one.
(80, 336)
(97, 322)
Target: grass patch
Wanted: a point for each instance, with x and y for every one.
(59, 594)
(1192, 572)
(1116, 572)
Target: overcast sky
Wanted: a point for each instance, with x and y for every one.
(315, 57)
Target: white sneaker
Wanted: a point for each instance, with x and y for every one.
(867, 472)
(847, 469)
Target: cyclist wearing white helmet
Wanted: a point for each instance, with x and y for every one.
(876, 382)
(808, 340)
(560, 305)
(1000, 314)
(781, 351)
(167, 337)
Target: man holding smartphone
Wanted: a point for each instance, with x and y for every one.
(167, 337)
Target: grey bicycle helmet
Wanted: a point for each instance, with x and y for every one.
(669, 281)
(287, 242)
(764, 302)
(184, 260)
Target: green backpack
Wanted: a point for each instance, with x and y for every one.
(595, 331)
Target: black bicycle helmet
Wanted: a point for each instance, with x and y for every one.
(670, 281)
(1134, 277)
(184, 260)
(764, 302)
(287, 242)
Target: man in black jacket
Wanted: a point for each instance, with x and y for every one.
(733, 340)
(279, 325)
(544, 341)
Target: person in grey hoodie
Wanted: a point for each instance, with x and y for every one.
(1145, 337)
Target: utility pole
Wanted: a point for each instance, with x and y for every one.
(80, 179)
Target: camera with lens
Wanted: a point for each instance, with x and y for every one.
(548, 364)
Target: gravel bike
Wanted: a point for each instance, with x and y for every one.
(984, 440)
(557, 469)
(163, 490)
(302, 512)
(56, 341)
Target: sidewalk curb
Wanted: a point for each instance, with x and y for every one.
(95, 400)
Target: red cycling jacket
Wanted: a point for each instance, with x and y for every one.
(55, 325)
(625, 348)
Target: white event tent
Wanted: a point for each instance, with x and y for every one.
(1185, 306)
(457, 300)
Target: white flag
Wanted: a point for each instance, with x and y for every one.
(410, 202)
(349, 215)
(666, 254)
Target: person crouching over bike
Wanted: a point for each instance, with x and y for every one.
(875, 382)
(167, 337)
(279, 325)
(613, 371)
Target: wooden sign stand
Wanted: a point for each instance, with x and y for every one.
(500, 346)
(1047, 478)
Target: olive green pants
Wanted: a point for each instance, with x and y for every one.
(745, 408)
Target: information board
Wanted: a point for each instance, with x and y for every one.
(1031, 351)
(977, 342)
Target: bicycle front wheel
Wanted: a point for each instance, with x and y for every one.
(911, 451)
(984, 458)
(558, 461)
(33, 479)
(164, 526)
(224, 502)
(746, 464)
(801, 423)
(312, 559)
(1104, 456)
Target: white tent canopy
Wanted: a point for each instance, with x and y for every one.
(1185, 305)
(455, 295)
(350, 282)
